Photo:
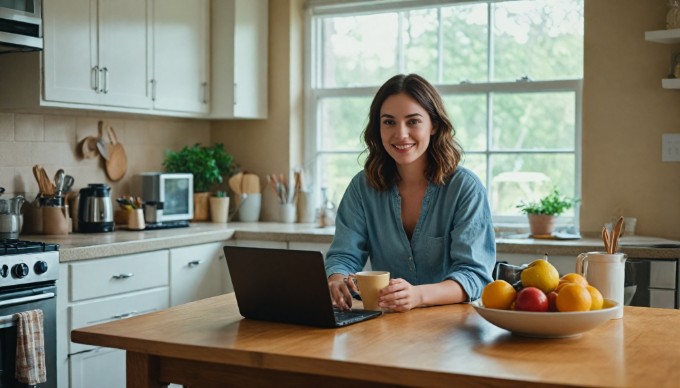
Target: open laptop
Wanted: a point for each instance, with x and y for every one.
(283, 285)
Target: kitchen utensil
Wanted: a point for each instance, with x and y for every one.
(2, 191)
(95, 211)
(89, 145)
(116, 164)
(59, 182)
(11, 219)
(250, 184)
(611, 239)
(101, 146)
(235, 183)
(68, 183)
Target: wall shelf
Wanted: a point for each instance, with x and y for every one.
(670, 83)
(663, 36)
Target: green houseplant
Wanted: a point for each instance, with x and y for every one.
(542, 213)
(208, 164)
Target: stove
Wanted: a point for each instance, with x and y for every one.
(27, 262)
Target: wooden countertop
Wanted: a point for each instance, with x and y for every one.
(81, 246)
(436, 346)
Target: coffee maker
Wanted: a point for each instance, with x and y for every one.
(95, 210)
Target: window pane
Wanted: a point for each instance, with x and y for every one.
(477, 164)
(468, 114)
(356, 53)
(420, 42)
(528, 177)
(465, 43)
(536, 121)
(341, 121)
(337, 171)
(541, 39)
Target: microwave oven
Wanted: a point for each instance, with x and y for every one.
(175, 191)
(20, 25)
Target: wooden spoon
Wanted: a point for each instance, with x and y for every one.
(605, 238)
(616, 233)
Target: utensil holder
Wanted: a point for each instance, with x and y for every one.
(136, 220)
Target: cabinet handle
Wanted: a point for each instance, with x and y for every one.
(94, 79)
(105, 89)
(194, 263)
(123, 275)
(124, 315)
(205, 92)
(235, 94)
(153, 90)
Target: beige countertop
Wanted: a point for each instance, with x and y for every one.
(79, 246)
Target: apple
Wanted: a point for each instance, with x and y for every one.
(531, 299)
(552, 301)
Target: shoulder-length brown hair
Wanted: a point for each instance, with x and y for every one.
(443, 153)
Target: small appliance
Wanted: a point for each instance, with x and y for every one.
(172, 195)
(95, 210)
(20, 25)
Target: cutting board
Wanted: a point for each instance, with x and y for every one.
(250, 184)
(116, 164)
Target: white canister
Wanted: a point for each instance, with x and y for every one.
(606, 272)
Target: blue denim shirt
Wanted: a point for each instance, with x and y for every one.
(453, 238)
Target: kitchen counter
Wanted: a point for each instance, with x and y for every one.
(80, 246)
(207, 342)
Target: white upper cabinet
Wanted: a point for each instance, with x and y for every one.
(239, 59)
(180, 61)
(97, 52)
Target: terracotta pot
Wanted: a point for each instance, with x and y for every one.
(201, 206)
(219, 209)
(541, 224)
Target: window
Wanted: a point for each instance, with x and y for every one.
(510, 73)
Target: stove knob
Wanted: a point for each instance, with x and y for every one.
(40, 267)
(20, 270)
(4, 270)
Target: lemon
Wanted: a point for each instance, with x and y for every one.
(596, 296)
(573, 297)
(574, 278)
(542, 275)
(498, 294)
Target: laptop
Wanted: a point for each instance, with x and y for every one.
(290, 286)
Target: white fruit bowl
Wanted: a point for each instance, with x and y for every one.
(547, 325)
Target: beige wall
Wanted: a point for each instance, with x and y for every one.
(53, 141)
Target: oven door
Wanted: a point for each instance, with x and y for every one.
(24, 299)
(654, 283)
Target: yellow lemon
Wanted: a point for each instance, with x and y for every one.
(498, 294)
(542, 275)
(573, 297)
(596, 296)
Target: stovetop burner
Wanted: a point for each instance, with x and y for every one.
(15, 247)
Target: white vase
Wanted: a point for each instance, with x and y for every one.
(219, 209)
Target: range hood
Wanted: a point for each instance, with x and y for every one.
(20, 35)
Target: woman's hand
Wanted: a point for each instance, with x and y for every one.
(400, 296)
(339, 287)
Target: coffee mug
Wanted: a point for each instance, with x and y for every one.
(369, 284)
(606, 272)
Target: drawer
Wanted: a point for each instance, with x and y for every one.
(662, 298)
(117, 275)
(114, 308)
(662, 274)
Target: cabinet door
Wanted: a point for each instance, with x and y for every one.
(70, 54)
(180, 70)
(196, 272)
(100, 367)
(124, 50)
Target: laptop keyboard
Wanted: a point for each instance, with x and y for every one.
(349, 316)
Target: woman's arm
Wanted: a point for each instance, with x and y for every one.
(401, 296)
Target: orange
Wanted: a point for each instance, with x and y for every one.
(574, 278)
(573, 297)
(596, 296)
(542, 275)
(498, 294)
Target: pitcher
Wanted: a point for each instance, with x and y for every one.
(606, 272)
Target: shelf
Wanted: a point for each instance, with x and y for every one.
(670, 83)
(663, 36)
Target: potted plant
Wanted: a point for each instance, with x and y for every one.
(542, 213)
(208, 164)
(219, 207)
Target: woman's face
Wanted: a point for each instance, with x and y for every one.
(405, 129)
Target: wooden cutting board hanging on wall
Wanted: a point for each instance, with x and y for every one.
(116, 164)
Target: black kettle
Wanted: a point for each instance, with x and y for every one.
(95, 210)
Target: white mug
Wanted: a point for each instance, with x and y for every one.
(606, 272)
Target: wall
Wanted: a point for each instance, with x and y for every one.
(53, 141)
(625, 112)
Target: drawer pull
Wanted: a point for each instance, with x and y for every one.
(123, 275)
(194, 263)
(125, 315)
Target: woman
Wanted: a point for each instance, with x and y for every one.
(412, 209)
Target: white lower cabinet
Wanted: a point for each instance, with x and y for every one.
(198, 272)
(100, 367)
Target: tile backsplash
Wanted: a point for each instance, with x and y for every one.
(54, 141)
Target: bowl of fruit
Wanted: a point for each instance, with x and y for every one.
(545, 305)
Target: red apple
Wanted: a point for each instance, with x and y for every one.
(552, 301)
(531, 299)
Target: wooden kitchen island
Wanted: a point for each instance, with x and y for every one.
(208, 344)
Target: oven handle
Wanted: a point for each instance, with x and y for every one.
(25, 299)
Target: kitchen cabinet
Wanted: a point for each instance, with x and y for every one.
(97, 52)
(180, 55)
(198, 272)
(239, 61)
(671, 36)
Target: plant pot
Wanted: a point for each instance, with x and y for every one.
(201, 206)
(219, 209)
(541, 224)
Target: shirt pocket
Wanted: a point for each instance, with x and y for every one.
(434, 251)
